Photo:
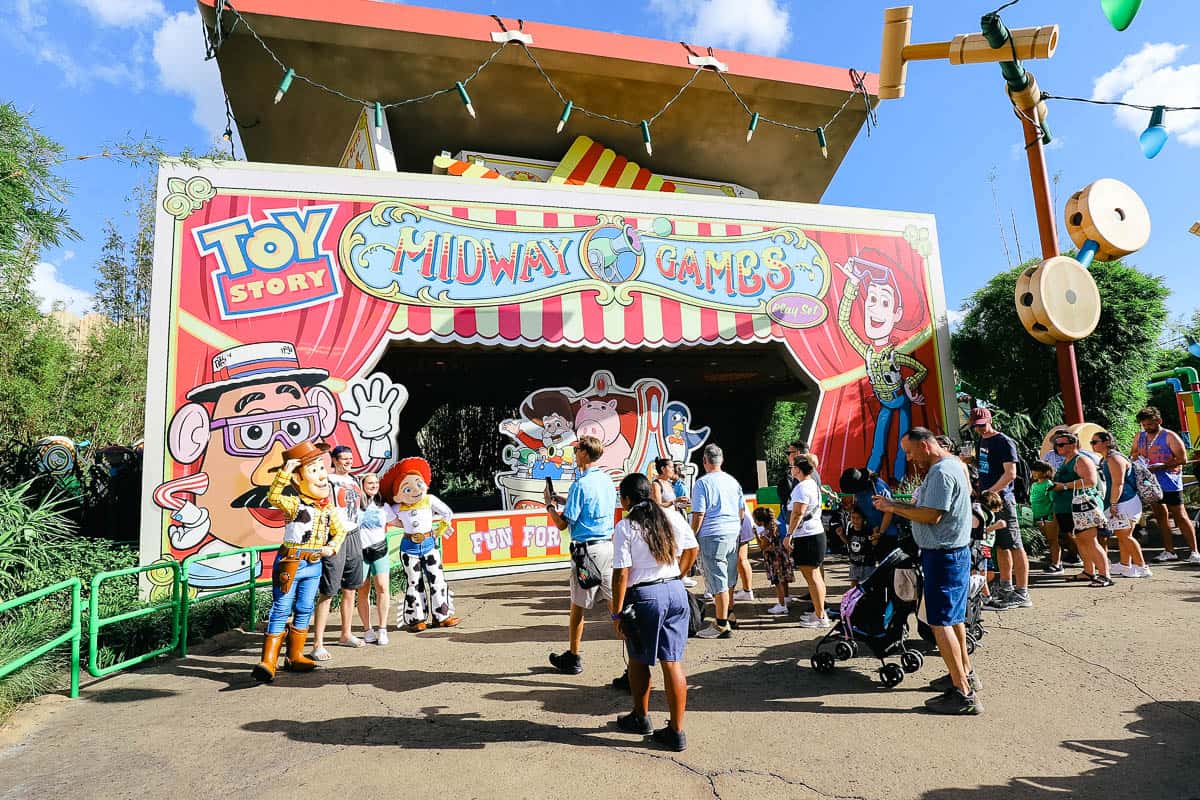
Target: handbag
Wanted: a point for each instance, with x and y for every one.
(587, 571)
(1085, 510)
(1148, 487)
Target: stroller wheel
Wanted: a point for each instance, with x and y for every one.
(970, 645)
(891, 675)
(978, 631)
(823, 661)
(844, 650)
(911, 661)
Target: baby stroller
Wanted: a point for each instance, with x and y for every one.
(974, 620)
(875, 613)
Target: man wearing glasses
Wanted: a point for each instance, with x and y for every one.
(589, 511)
(996, 458)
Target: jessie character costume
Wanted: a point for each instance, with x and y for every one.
(313, 522)
(405, 488)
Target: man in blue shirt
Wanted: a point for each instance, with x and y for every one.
(589, 511)
(718, 506)
(941, 523)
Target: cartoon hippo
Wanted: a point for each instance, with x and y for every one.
(599, 418)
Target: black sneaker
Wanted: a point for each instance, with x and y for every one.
(621, 683)
(635, 723)
(954, 703)
(1071, 560)
(945, 684)
(567, 663)
(670, 738)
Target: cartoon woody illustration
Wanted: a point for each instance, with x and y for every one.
(883, 314)
(260, 402)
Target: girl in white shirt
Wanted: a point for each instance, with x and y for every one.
(651, 549)
(373, 535)
(806, 535)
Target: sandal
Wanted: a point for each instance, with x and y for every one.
(321, 654)
(353, 641)
(1101, 581)
(1081, 577)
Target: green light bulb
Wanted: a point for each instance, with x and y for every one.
(1120, 13)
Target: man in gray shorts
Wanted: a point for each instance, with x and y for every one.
(589, 511)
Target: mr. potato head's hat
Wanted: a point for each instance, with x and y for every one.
(413, 465)
(305, 452)
(250, 364)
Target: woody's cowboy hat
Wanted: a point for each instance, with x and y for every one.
(250, 364)
(304, 453)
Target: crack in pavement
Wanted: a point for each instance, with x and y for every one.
(1106, 668)
(712, 775)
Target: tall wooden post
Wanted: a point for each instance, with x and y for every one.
(1068, 373)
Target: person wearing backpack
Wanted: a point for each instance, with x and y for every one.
(999, 466)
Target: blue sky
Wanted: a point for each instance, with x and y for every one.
(94, 70)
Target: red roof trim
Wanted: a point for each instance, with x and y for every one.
(460, 25)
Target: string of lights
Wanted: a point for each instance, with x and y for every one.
(1154, 137)
(218, 37)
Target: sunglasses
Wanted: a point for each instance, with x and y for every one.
(1061, 444)
(1095, 442)
(978, 424)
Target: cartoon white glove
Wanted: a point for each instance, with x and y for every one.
(190, 526)
(376, 413)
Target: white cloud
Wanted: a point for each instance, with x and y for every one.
(68, 255)
(1152, 76)
(955, 317)
(124, 13)
(52, 290)
(759, 26)
(179, 55)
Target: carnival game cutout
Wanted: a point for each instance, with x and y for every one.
(407, 254)
(636, 425)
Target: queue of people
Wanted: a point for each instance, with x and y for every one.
(963, 517)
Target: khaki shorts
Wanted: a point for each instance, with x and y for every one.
(601, 553)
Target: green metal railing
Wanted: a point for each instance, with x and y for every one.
(95, 623)
(73, 635)
(252, 585)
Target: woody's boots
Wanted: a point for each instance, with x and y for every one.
(264, 671)
(296, 660)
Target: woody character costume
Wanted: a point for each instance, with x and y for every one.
(314, 529)
(405, 489)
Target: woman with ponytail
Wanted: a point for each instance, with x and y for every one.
(651, 549)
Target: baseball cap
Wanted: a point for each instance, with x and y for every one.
(980, 416)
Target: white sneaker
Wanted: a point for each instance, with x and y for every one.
(1134, 571)
(1116, 570)
(383, 637)
(707, 597)
(743, 596)
(369, 637)
(688, 583)
(1165, 556)
(1194, 558)
(815, 622)
(778, 610)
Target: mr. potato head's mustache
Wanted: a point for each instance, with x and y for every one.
(255, 498)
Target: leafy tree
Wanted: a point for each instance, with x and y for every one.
(112, 285)
(784, 425)
(999, 362)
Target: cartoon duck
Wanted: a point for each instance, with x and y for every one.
(680, 440)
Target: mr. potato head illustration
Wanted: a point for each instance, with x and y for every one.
(260, 402)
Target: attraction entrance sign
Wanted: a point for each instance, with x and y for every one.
(279, 291)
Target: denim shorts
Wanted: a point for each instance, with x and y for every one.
(947, 580)
(662, 622)
(1009, 537)
(719, 557)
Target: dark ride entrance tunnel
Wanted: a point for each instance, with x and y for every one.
(458, 395)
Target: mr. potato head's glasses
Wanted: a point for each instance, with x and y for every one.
(253, 435)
